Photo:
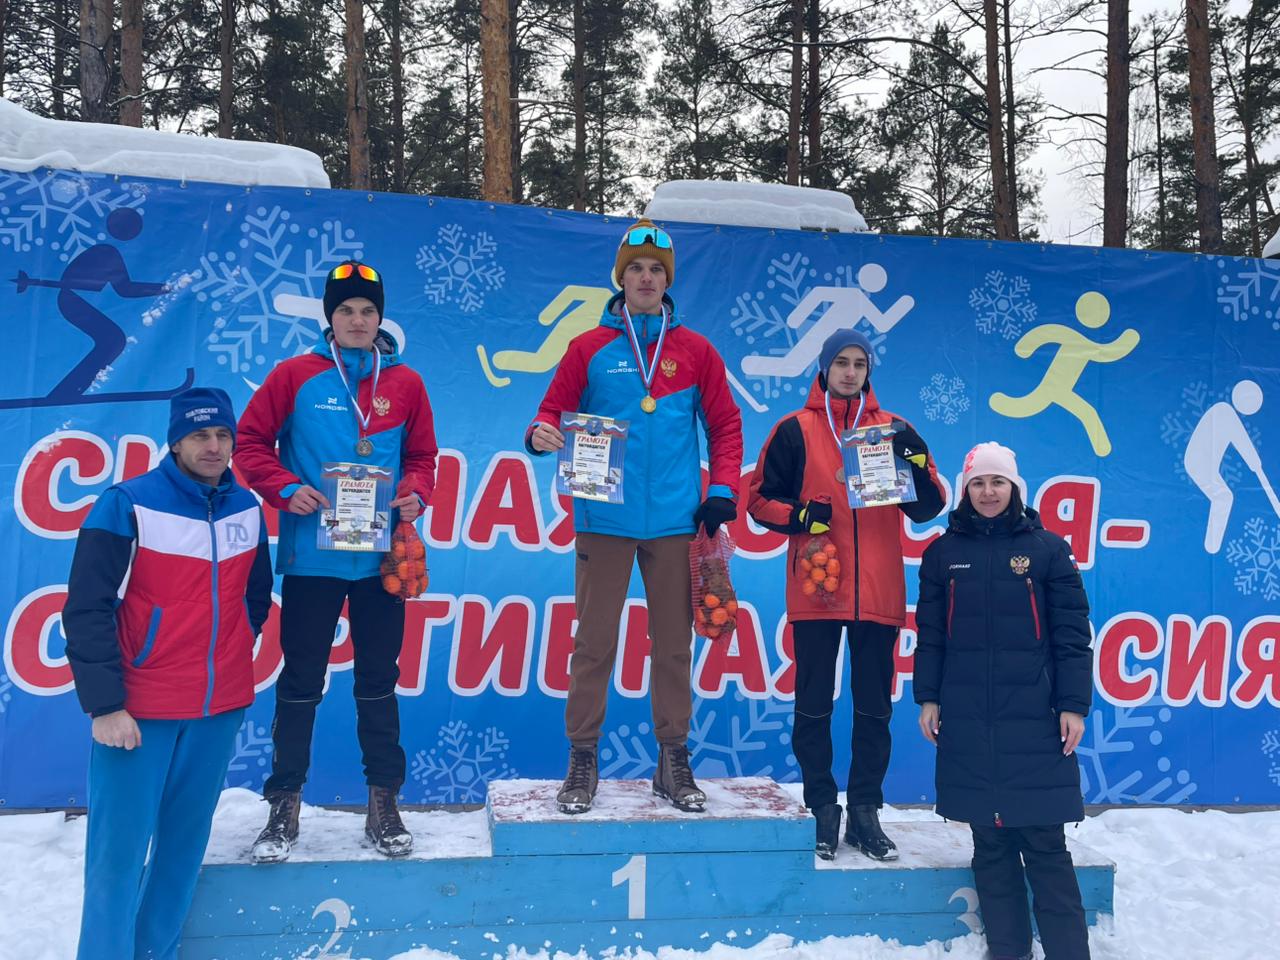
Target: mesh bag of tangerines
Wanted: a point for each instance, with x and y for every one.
(820, 569)
(715, 604)
(404, 567)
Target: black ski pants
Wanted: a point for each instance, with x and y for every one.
(1004, 860)
(309, 611)
(871, 647)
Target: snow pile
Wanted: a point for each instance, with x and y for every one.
(755, 205)
(1272, 249)
(28, 141)
(1188, 885)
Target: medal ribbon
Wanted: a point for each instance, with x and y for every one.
(831, 423)
(646, 375)
(362, 418)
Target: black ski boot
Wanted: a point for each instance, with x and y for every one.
(281, 832)
(579, 788)
(864, 833)
(673, 780)
(383, 826)
(827, 821)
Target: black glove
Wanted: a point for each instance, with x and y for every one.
(908, 445)
(813, 516)
(713, 512)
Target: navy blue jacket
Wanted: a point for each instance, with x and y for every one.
(1003, 645)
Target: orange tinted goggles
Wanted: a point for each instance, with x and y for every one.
(344, 270)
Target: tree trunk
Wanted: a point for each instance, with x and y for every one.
(4, 32)
(1203, 139)
(1011, 125)
(397, 96)
(579, 107)
(226, 56)
(96, 17)
(357, 97)
(513, 58)
(1002, 209)
(1160, 196)
(797, 91)
(1115, 170)
(59, 59)
(131, 63)
(495, 81)
(813, 104)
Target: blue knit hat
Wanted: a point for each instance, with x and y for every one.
(836, 343)
(198, 409)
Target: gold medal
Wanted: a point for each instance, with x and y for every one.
(648, 404)
(364, 447)
(840, 475)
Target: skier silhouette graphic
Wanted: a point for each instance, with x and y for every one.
(1075, 352)
(90, 272)
(845, 307)
(1219, 430)
(575, 310)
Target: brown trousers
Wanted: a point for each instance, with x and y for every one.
(601, 577)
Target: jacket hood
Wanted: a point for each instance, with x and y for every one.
(612, 316)
(384, 343)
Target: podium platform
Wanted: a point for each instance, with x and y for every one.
(631, 872)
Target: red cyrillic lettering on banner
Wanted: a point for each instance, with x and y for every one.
(85, 457)
(342, 655)
(1258, 655)
(442, 519)
(505, 503)
(784, 678)
(742, 659)
(1127, 632)
(1068, 506)
(267, 655)
(915, 543)
(561, 534)
(420, 616)
(26, 643)
(135, 455)
(558, 624)
(492, 648)
(904, 655)
(269, 513)
(631, 668)
(1196, 661)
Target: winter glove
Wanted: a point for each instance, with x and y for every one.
(713, 512)
(908, 445)
(814, 517)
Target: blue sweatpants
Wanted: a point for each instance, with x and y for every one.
(158, 796)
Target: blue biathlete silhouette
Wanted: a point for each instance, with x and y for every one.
(91, 271)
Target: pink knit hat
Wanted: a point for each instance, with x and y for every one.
(990, 458)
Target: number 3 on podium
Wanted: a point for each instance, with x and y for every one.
(632, 874)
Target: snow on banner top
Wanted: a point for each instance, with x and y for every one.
(28, 142)
(738, 204)
(1272, 249)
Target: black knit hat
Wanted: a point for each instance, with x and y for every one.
(352, 284)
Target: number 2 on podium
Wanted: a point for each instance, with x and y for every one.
(632, 874)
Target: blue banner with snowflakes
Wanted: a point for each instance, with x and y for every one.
(1138, 389)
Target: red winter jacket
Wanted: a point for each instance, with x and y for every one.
(799, 463)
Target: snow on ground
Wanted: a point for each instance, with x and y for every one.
(1189, 886)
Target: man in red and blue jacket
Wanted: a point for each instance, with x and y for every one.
(642, 365)
(351, 400)
(165, 670)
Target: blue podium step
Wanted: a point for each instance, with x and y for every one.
(632, 872)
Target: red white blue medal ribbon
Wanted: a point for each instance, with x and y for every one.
(362, 418)
(647, 373)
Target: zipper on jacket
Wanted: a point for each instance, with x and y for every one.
(213, 630)
(999, 822)
(1035, 611)
(951, 605)
(991, 664)
(857, 568)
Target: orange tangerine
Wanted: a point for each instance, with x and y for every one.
(829, 549)
(817, 575)
(720, 617)
(732, 606)
(711, 601)
(808, 588)
(820, 559)
(391, 583)
(833, 567)
(830, 584)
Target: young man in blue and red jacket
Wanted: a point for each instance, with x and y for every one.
(165, 671)
(676, 391)
(351, 400)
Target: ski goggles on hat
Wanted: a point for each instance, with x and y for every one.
(344, 270)
(639, 236)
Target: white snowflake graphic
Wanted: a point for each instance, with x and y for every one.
(1256, 557)
(1110, 766)
(627, 755)
(944, 398)
(760, 318)
(1003, 305)
(733, 743)
(6, 691)
(241, 288)
(458, 769)
(251, 761)
(72, 205)
(1271, 750)
(1249, 288)
(1176, 429)
(460, 268)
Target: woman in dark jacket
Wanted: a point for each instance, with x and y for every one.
(1003, 676)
